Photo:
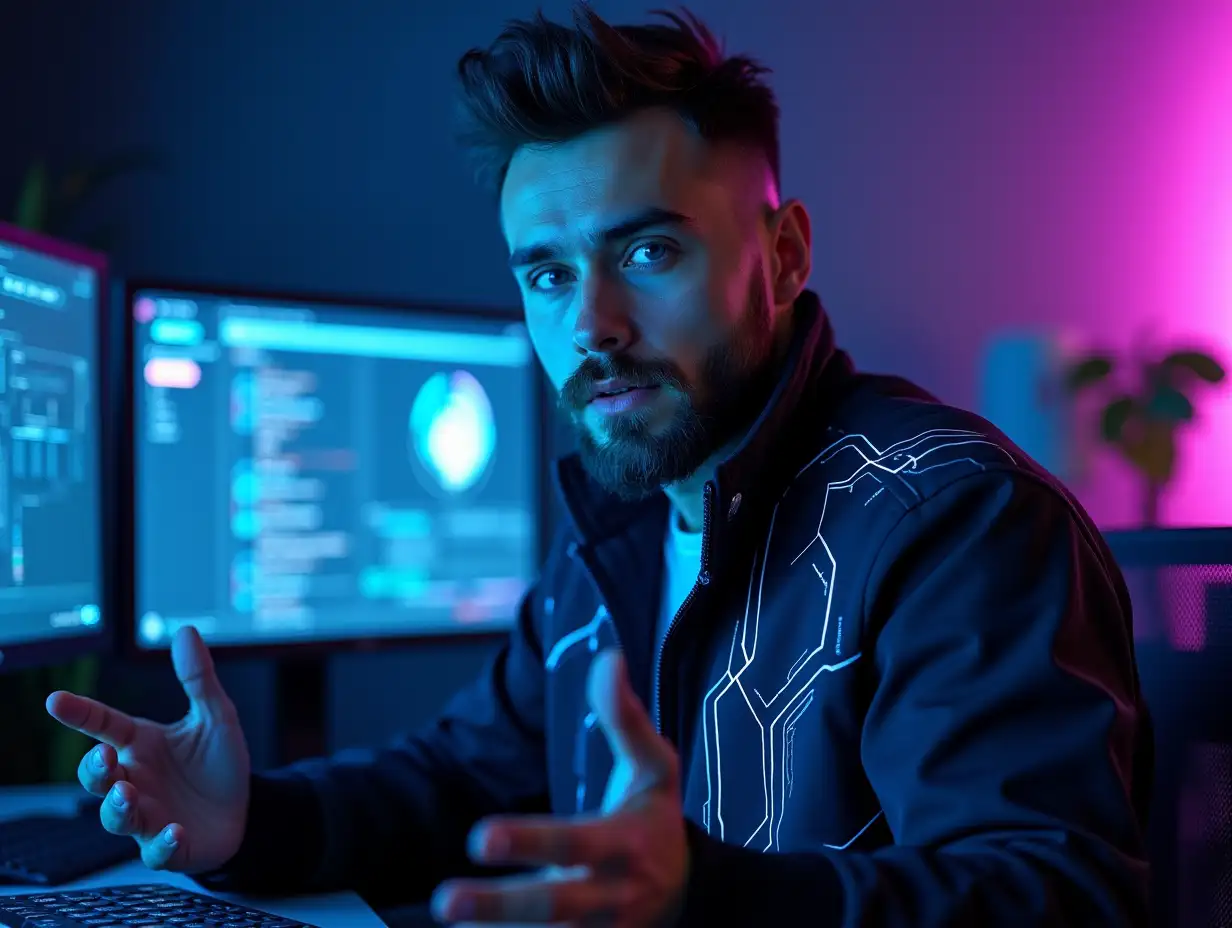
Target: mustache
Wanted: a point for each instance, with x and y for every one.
(576, 392)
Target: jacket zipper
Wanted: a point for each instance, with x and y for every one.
(703, 579)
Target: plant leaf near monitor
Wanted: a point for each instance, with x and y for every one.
(32, 200)
(54, 203)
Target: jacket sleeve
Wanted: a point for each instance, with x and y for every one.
(392, 824)
(1001, 737)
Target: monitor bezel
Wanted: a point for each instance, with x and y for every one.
(26, 655)
(315, 648)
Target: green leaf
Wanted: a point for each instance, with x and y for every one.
(32, 200)
(1116, 415)
(1170, 405)
(1087, 372)
(1198, 363)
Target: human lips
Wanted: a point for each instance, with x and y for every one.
(619, 395)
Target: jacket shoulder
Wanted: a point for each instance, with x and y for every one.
(913, 445)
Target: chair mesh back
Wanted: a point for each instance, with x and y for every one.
(1183, 635)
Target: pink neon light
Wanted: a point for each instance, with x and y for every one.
(1173, 286)
(143, 309)
(174, 373)
(1201, 141)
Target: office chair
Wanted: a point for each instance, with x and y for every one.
(1180, 581)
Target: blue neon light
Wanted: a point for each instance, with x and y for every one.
(376, 342)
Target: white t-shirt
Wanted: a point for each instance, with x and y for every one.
(682, 561)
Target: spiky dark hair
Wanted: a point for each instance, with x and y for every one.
(542, 81)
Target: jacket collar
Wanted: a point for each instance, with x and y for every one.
(814, 374)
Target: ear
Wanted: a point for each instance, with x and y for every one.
(791, 251)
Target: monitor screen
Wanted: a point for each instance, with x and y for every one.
(319, 472)
(51, 521)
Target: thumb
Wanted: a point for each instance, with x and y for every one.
(194, 668)
(630, 733)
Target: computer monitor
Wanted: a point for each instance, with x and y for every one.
(321, 472)
(52, 372)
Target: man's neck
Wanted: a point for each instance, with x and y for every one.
(688, 496)
(688, 499)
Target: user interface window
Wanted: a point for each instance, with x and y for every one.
(50, 518)
(309, 471)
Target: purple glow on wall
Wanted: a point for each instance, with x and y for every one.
(1206, 136)
(1185, 152)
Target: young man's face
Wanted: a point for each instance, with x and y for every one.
(640, 251)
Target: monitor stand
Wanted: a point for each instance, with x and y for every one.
(301, 707)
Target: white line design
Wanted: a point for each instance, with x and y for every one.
(587, 636)
(866, 469)
(862, 467)
(584, 640)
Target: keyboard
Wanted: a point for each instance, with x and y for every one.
(122, 906)
(48, 850)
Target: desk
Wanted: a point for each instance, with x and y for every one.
(336, 910)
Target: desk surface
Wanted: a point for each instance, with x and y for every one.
(335, 910)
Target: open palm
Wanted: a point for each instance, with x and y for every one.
(180, 790)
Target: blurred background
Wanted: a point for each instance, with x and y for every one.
(987, 180)
(1023, 207)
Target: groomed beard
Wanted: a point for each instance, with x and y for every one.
(632, 461)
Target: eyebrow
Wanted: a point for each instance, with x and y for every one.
(548, 251)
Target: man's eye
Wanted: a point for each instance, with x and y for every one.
(550, 278)
(649, 254)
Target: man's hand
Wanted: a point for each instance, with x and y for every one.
(624, 867)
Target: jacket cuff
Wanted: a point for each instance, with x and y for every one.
(730, 885)
(284, 839)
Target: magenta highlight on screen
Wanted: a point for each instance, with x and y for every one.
(174, 373)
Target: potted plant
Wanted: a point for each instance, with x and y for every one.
(1146, 404)
(54, 202)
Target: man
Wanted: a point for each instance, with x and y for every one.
(812, 648)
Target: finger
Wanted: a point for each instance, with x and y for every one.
(539, 899)
(91, 717)
(624, 720)
(120, 811)
(99, 769)
(166, 850)
(194, 668)
(597, 843)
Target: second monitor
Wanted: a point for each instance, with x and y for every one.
(309, 471)
(52, 535)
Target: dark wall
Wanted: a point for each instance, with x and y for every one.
(970, 166)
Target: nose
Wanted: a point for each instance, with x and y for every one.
(603, 325)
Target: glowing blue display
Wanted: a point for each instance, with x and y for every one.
(51, 484)
(453, 430)
(354, 473)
